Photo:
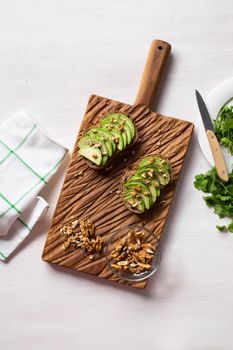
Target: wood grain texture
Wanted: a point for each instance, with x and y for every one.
(54, 54)
(95, 195)
(152, 73)
(218, 156)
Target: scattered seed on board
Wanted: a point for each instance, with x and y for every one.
(81, 234)
(79, 173)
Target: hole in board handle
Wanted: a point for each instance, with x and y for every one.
(160, 47)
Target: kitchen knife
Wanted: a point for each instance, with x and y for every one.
(212, 139)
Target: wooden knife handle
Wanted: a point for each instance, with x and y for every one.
(217, 155)
(154, 67)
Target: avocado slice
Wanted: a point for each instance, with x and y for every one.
(143, 199)
(154, 160)
(128, 198)
(91, 153)
(149, 184)
(92, 142)
(127, 131)
(144, 193)
(127, 121)
(163, 165)
(108, 123)
(134, 183)
(155, 191)
(98, 137)
(95, 142)
(141, 207)
(107, 135)
(146, 161)
(143, 173)
(147, 201)
(152, 187)
(163, 176)
(124, 136)
(137, 178)
(119, 119)
(121, 144)
(123, 119)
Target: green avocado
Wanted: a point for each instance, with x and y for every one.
(134, 183)
(121, 144)
(154, 193)
(95, 144)
(99, 137)
(91, 153)
(145, 194)
(137, 178)
(153, 167)
(107, 134)
(147, 200)
(113, 133)
(146, 161)
(129, 127)
(127, 121)
(163, 176)
(154, 160)
(128, 198)
(152, 173)
(119, 120)
(114, 128)
(143, 173)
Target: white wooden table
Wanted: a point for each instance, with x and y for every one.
(53, 55)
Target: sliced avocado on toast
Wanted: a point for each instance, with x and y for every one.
(93, 154)
(114, 133)
(123, 123)
(142, 187)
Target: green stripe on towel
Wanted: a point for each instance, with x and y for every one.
(24, 224)
(20, 144)
(10, 204)
(36, 184)
(27, 165)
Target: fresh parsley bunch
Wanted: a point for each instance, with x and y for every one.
(221, 195)
(223, 127)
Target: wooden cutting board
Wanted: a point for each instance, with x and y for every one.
(95, 194)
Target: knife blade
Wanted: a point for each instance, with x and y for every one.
(212, 139)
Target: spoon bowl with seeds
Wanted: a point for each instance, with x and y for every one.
(133, 253)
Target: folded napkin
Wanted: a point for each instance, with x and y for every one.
(28, 158)
(22, 226)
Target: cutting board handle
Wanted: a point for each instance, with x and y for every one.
(153, 70)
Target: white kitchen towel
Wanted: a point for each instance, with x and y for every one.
(22, 227)
(28, 158)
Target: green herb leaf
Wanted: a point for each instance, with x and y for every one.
(221, 228)
(223, 127)
(230, 227)
(220, 196)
